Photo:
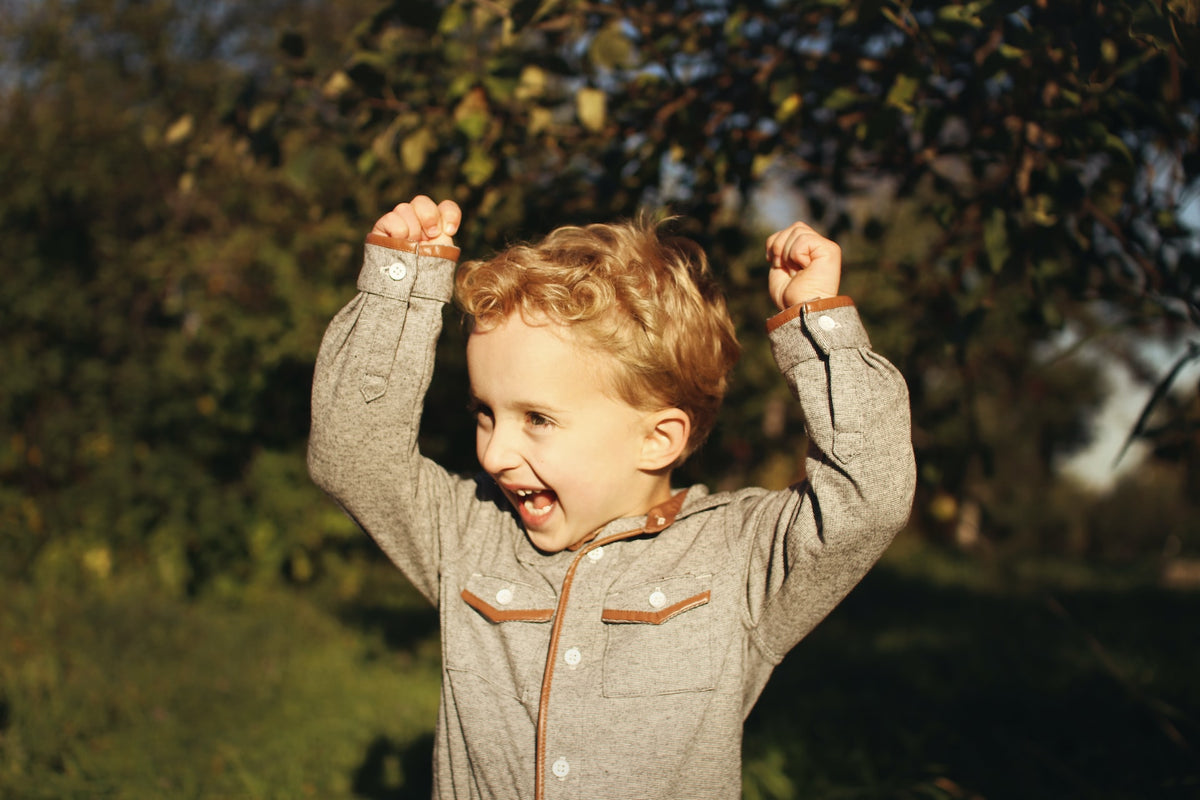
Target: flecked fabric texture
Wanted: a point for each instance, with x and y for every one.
(634, 703)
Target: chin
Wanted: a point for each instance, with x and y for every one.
(549, 543)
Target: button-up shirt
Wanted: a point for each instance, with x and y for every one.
(624, 667)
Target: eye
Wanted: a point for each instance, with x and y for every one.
(537, 420)
(480, 411)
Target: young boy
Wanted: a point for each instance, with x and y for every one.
(603, 634)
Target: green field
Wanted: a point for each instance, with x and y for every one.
(940, 677)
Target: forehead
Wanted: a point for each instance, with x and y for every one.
(534, 361)
(523, 331)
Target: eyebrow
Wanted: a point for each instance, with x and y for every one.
(476, 403)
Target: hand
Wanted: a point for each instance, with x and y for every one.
(421, 221)
(804, 266)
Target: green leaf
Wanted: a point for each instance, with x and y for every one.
(479, 167)
(454, 18)
(995, 239)
(472, 115)
(1115, 144)
(611, 48)
(903, 90)
(842, 98)
(415, 149)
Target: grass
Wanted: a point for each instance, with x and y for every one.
(125, 694)
(940, 677)
(948, 677)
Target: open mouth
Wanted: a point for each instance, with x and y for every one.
(535, 505)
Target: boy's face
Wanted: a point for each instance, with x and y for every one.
(564, 452)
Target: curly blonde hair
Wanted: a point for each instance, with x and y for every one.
(646, 299)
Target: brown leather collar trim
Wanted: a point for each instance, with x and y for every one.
(812, 306)
(584, 542)
(515, 615)
(421, 249)
(655, 617)
(664, 514)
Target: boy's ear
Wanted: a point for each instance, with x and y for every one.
(667, 433)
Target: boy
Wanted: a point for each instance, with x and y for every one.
(603, 635)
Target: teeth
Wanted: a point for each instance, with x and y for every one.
(541, 512)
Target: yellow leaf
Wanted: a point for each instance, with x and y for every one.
(592, 107)
(338, 84)
(540, 120)
(179, 130)
(761, 163)
(261, 115)
(98, 561)
(415, 149)
(943, 508)
(532, 83)
(790, 105)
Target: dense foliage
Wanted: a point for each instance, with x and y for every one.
(186, 190)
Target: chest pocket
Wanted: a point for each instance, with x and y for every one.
(658, 638)
(505, 635)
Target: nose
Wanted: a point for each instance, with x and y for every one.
(495, 448)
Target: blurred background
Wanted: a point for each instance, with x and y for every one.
(185, 191)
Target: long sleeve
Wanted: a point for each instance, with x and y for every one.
(812, 544)
(372, 372)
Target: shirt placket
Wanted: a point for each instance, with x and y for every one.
(571, 684)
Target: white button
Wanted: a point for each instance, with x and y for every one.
(597, 554)
(504, 596)
(827, 323)
(658, 599)
(561, 768)
(573, 657)
(397, 271)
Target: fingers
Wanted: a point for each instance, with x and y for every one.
(451, 217)
(421, 220)
(804, 265)
(777, 283)
(798, 246)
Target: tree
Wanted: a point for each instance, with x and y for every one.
(154, 326)
(186, 190)
(1007, 167)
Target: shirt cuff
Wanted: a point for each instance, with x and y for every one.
(399, 269)
(820, 304)
(814, 330)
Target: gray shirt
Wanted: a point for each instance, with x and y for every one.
(622, 668)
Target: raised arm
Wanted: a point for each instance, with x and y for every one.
(811, 544)
(372, 372)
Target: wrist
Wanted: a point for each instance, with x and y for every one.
(806, 295)
(808, 306)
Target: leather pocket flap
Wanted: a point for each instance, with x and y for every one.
(505, 600)
(656, 602)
